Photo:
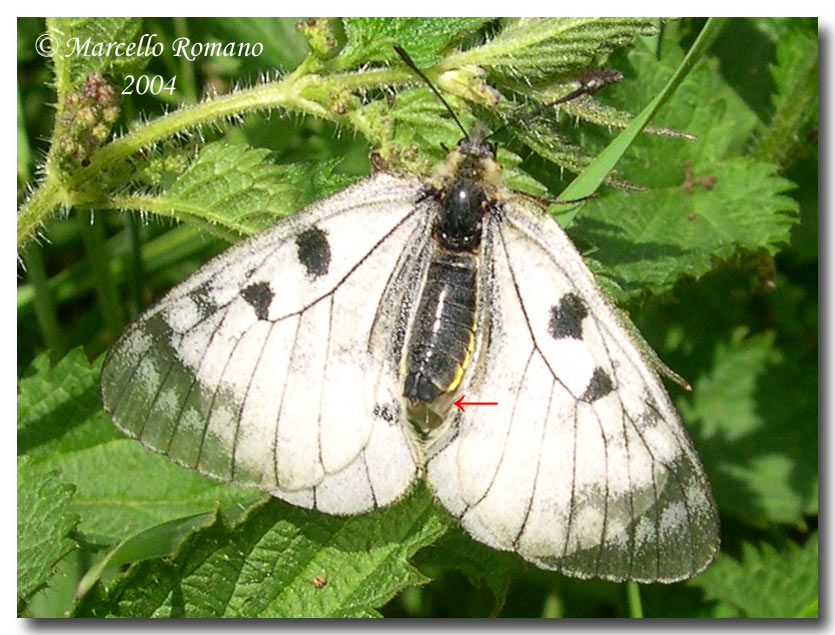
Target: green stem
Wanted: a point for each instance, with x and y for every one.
(553, 606)
(37, 208)
(222, 227)
(633, 594)
(62, 81)
(259, 97)
(46, 316)
(287, 93)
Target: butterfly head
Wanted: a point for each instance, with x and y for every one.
(466, 185)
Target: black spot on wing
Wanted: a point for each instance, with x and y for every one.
(314, 251)
(567, 317)
(386, 412)
(203, 302)
(599, 386)
(259, 296)
(204, 305)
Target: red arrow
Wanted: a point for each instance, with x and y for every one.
(461, 403)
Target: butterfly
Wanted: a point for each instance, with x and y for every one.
(326, 361)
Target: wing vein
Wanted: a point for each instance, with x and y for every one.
(631, 536)
(244, 400)
(145, 420)
(324, 375)
(508, 432)
(525, 314)
(538, 463)
(681, 489)
(193, 381)
(605, 494)
(281, 407)
(214, 397)
(129, 380)
(654, 494)
(368, 478)
(573, 484)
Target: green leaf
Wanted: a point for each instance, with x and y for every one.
(482, 565)
(766, 582)
(768, 470)
(155, 542)
(120, 487)
(421, 119)
(44, 524)
(725, 401)
(234, 191)
(58, 409)
(588, 181)
(796, 99)
(124, 488)
(267, 565)
(530, 48)
(706, 205)
(371, 39)
(648, 240)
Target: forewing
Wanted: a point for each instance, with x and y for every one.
(258, 368)
(584, 465)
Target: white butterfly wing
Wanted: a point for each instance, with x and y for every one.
(258, 368)
(583, 466)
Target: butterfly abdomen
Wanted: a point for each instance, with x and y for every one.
(443, 330)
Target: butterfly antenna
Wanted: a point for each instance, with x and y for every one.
(410, 63)
(574, 94)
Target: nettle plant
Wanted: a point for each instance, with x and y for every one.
(106, 528)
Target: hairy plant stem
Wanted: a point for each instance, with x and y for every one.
(302, 91)
(37, 208)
